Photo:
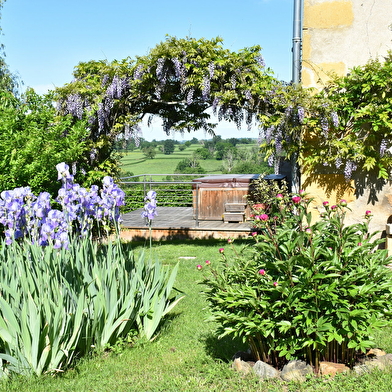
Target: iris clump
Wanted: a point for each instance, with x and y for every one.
(25, 215)
(62, 293)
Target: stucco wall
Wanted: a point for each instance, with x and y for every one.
(338, 35)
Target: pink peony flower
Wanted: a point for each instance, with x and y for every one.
(208, 262)
(279, 196)
(263, 217)
(230, 240)
(254, 233)
(325, 203)
(262, 272)
(275, 284)
(199, 267)
(221, 250)
(368, 213)
(296, 199)
(334, 207)
(343, 203)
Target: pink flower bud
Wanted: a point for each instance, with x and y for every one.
(263, 217)
(254, 233)
(275, 284)
(334, 207)
(343, 203)
(262, 272)
(208, 262)
(221, 250)
(325, 203)
(230, 240)
(199, 267)
(279, 196)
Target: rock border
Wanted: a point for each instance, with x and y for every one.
(297, 370)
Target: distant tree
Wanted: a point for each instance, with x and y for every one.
(203, 153)
(233, 141)
(181, 147)
(149, 152)
(187, 143)
(189, 166)
(194, 141)
(144, 144)
(221, 149)
(168, 147)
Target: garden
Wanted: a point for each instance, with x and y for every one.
(82, 309)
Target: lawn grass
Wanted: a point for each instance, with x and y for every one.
(185, 356)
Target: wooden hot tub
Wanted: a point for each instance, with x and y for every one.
(222, 197)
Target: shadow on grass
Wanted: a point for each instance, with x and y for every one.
(223, 349)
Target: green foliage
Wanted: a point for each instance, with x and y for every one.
(312, 291)
(343, 129)
(33, 139)
(363, 101)
(56, 305)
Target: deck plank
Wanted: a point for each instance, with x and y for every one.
(179, 218)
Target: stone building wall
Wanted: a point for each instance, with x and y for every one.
(338, 35)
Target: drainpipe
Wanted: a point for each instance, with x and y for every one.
(297, 40)
(296, 75)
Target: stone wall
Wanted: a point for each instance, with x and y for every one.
(338, 35)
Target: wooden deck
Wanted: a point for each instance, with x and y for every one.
(179, 223)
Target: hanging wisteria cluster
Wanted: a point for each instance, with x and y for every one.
(25, 215)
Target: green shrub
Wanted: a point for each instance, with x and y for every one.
(308, 291)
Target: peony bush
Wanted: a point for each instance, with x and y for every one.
(311, 291)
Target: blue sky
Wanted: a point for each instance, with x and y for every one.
(45, 39)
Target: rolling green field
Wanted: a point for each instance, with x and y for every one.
(135, 162)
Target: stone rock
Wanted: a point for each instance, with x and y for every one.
(376, 352)
(241, 366)
(331, 368)
(264, 371)
(379, 362)
(296, 371)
